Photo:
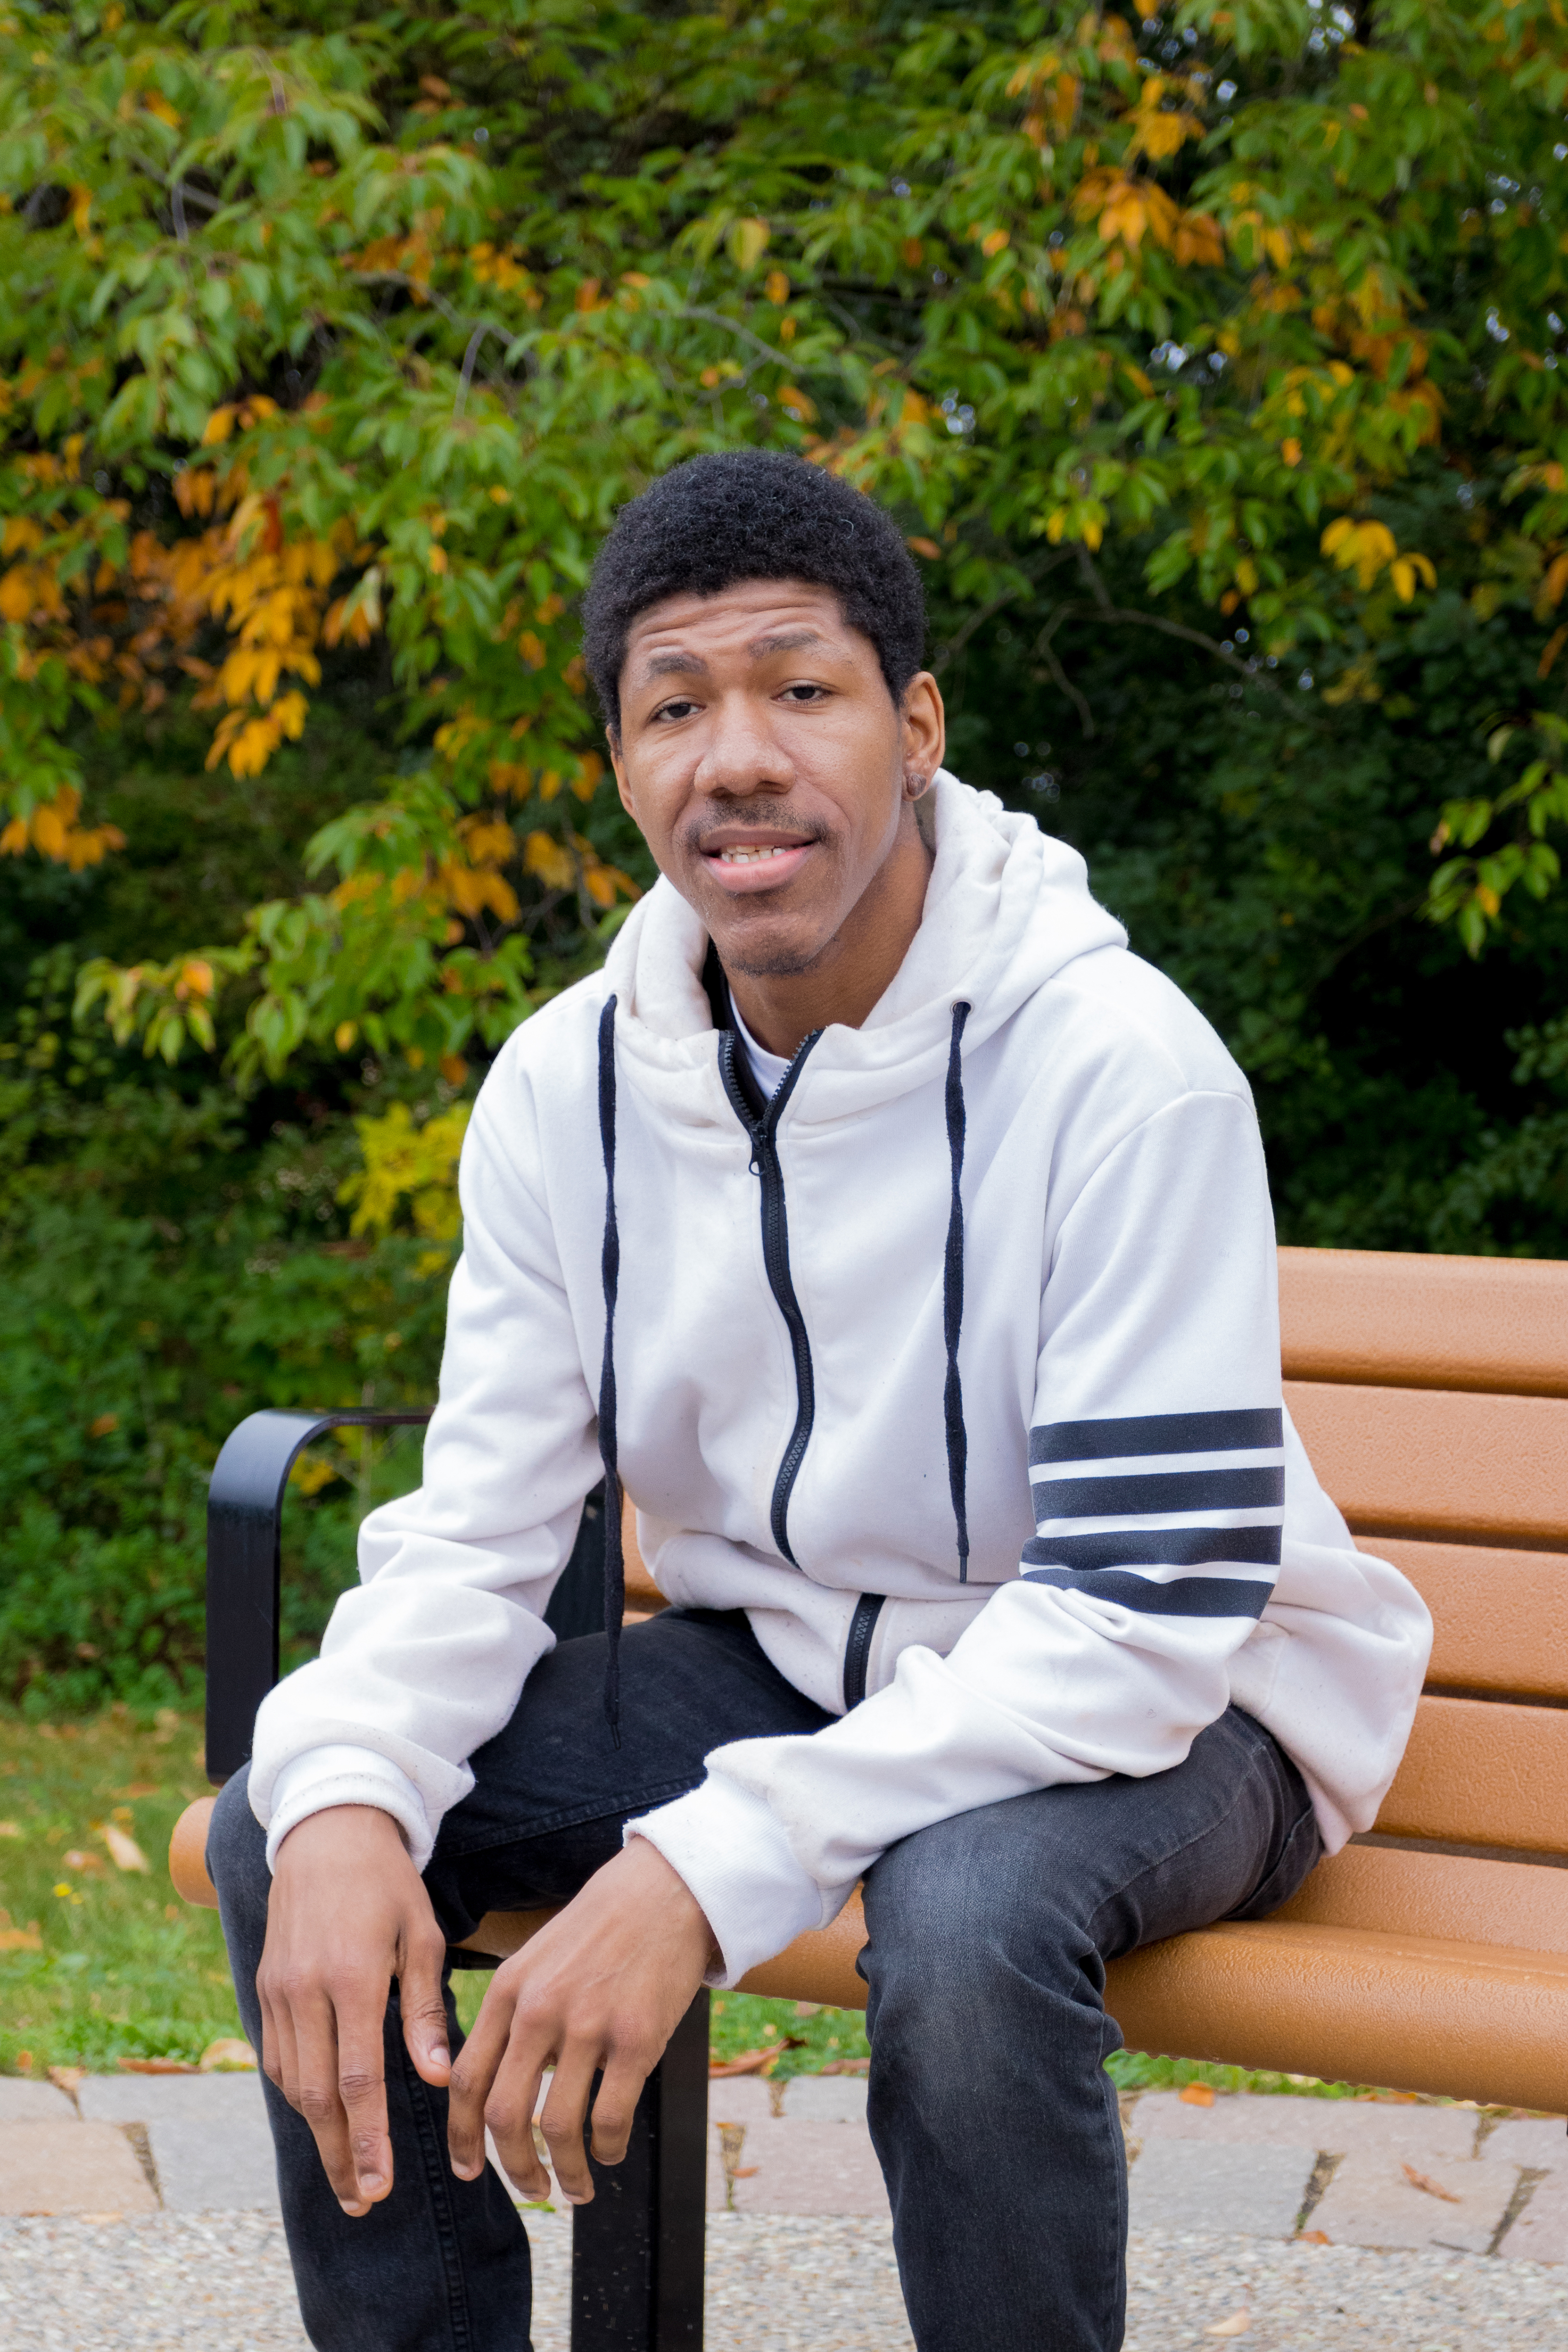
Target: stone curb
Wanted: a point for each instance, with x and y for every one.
(1377, 2174)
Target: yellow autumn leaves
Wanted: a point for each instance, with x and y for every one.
(1369, 549)
(407, 1164)
(1125, 210)
(51, 829)
(477, 883)
(1158, 130)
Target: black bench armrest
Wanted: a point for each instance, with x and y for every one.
(245, 1517)
(638, 2250)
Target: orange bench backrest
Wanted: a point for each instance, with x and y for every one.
(1432, 1395)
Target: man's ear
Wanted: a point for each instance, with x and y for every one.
(923, 725)
(617, 762)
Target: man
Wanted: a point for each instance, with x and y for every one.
(904, 1245)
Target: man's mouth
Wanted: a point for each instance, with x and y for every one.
(746, 866)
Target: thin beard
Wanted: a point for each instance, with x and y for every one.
(772, 966)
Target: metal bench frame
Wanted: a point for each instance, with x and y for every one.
(638, 2250)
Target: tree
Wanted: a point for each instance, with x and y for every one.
(332, 341)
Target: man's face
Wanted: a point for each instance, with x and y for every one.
(765, 762)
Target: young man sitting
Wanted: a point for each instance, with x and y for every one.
(903, 1243)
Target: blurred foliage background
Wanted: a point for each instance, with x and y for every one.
(1208, 354)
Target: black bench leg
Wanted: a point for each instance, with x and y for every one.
(638, 2250)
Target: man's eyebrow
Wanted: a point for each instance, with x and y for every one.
(680, 665)
(786, 641)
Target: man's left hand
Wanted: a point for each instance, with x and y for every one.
(599, 1990)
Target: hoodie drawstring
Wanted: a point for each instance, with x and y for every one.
(952, 1326)
(610, 1263)
(952, 1297)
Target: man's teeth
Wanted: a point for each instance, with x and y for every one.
(749, 857)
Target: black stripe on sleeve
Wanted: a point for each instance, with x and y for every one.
(1193, 1596)
(1155, 1548)
(1156, 1433)
(1169, 1490)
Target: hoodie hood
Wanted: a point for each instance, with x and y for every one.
(1006, 907)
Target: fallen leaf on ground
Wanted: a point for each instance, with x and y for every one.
(226, 2054)
(750, 2061)
(847, 2066)
(126, 1854)
(758, 2061)
(1313, 2238)
(10, 1829)
(1237, 2325)
(18, 1939)
(1430, 2188)
(1197, 2094)
(76, 1859)
(745, 2172)
(66, 2078)
(139, 1788)
(156, 2066)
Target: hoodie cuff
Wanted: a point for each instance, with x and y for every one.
(341, 1775)
(730, 1851)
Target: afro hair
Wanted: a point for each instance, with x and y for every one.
(753, 514)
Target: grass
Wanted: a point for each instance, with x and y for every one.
(99, 1964)
(121, 1967)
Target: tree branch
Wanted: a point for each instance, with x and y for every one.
(1246, 669)
(1047, 652)
(476, 330)
(732, 326)
(467, 375)
(956, 644)
(1091, 571)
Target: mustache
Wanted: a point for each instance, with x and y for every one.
(695, 836)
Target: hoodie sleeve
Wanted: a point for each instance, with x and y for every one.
(1157, 1472)
(425, 1659)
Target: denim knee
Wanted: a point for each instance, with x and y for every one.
(958, 1920)
(237, 1850)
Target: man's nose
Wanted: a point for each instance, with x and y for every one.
(741, 752)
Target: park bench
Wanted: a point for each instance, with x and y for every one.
(1431, 1955)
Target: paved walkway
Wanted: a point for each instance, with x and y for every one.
(143, 2213)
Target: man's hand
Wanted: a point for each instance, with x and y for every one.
(601, 1988)
(348, 1913)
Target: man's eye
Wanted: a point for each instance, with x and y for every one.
(677, 710)
(806, 694)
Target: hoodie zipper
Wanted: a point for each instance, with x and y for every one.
(763, 1133)
(857, 1648)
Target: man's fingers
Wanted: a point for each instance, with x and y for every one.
(616, 2104)
(279, 2061)
(565, 2112)
(424, 2011)
(509, 2112)
(317, 2095)
(361, 2089)
(346, 1912)
(472, 2075)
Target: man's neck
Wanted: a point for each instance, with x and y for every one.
(855, 968)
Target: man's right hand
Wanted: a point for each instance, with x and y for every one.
(348, 1913)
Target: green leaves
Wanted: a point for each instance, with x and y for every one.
(1470, 890)
(1205, 283)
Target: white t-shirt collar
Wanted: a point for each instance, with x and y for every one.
(769, 1070)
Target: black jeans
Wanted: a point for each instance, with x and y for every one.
(993, 2118)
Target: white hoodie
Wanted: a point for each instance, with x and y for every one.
(1148, 1541)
